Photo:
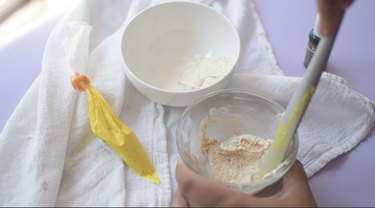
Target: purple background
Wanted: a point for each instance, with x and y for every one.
(349, 179)
(346, 181)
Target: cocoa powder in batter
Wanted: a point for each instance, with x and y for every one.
(235, 160)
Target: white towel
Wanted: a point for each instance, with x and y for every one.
(51, 158)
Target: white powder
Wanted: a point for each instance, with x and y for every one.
(204, 71)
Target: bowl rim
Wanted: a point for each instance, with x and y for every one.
(255, 186)
(129, 72)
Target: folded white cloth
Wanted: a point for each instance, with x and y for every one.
(51, 158)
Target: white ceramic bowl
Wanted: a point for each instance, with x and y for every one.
(159, 43)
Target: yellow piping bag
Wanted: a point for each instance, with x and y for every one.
(108, 127)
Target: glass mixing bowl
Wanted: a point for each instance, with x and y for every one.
(231, 112)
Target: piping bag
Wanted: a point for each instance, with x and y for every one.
(297, 105)
(103, 121)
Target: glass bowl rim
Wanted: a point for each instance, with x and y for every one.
(254, 186)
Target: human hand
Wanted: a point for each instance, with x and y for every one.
(195, 190)
(330, 12)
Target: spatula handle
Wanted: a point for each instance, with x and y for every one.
(301, 97)
(298, 104)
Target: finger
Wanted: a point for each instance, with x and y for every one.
(200, 191)
(197, 190)
(346, 3)
(179, 200)
(296, 174)
(330, 14)
(295, 183)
